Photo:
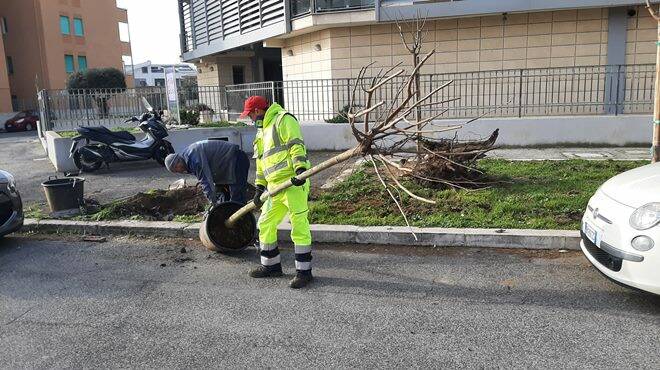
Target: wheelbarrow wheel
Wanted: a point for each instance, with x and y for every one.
(215, 235)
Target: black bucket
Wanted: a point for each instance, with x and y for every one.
(64, 194)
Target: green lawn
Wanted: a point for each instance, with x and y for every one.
(527, 195)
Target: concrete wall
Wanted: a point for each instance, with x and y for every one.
(609, 130)
(57, 148)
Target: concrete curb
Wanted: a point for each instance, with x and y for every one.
(387, 235)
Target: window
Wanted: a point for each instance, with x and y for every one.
(239, 74)
(157, 70)
(68, 64)
(82, 63)
(159, 82)
(78, 28)
(145, 69)
(65, 25)
(124, 35)
(10, 66)
(4, 28)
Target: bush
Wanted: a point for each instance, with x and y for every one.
(189, 117)
(201, 107)
(341, 117)
(98, 78)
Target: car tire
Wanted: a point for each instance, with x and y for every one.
(28, 127)
(85, 166)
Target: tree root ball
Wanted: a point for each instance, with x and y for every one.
(234, 238)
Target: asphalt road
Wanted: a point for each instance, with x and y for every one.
(65, 303)
(22, 155)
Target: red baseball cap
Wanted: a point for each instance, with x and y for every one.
(252, 103)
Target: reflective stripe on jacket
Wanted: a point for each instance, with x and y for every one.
(279, 148)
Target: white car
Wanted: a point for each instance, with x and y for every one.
(620, 231)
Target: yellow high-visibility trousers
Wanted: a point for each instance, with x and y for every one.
(292, 201)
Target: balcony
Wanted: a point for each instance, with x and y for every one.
(304, 7)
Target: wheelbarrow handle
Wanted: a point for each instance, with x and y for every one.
(303, 176)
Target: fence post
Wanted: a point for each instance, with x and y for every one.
(618, 87)
(272, 90)
(520, 93)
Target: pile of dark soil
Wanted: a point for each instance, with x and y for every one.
(159, 204)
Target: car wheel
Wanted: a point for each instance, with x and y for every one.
(84, 164)
(162, 151)
(28, 127)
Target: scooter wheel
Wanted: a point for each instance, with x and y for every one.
(162, 151)
(84, 164)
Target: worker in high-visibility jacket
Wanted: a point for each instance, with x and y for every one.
(280, 155)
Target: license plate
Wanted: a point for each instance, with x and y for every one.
(592, 233)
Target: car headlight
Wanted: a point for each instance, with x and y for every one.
(646, 216)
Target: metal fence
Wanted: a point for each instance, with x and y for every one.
(617, 89)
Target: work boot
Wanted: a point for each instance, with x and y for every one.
(301, 280)
(266, 271)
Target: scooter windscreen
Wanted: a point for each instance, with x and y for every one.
(146, 105)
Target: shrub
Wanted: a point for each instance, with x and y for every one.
(341, 117)
(101, 79)
(189, 117)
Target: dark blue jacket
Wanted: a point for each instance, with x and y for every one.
(212, 162)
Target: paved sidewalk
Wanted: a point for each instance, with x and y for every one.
(557, 154)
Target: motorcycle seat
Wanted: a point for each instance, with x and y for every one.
(122, 135)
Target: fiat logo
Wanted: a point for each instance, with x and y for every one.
(596, 213)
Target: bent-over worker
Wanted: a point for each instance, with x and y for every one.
(280, 155)
(221, 168)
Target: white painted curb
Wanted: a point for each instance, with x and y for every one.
(344, 234)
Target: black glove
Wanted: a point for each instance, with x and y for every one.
(257, 196)
(297, 182)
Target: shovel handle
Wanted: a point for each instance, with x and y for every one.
(303, 176)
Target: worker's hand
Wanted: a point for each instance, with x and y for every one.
(257, 196)
(296, 181)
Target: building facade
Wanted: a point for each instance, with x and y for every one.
(150, 74)
(317, 39)
(44, 41)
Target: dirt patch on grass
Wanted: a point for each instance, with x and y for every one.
(159, 204)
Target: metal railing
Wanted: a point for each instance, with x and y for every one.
(617, 89)
(304, 7)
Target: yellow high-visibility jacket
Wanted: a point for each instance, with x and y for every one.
(279, 148)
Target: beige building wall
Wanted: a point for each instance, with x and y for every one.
(300, 59)
(641, 37)
(219, 70)
(534, 40)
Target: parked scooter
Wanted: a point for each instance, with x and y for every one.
(105, 146)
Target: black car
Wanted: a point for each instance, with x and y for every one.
(11, 206)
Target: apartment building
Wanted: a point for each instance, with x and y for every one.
(320, 39)
(46, 40)
(151, 74)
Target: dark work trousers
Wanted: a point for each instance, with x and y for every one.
(236, 192)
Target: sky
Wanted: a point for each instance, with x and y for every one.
(154, 30)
